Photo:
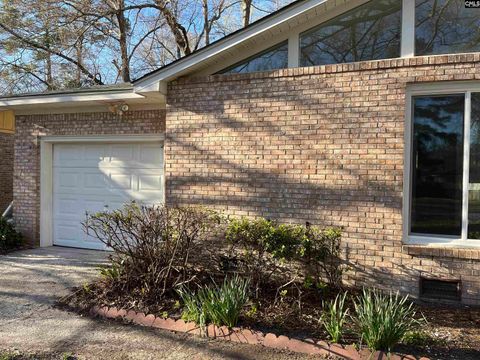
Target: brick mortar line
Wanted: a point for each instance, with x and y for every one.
(247, 336)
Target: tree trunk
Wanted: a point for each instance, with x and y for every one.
(206, 22)
(79, 49)
(123, 29)
(179, 32)
(246, 10)
(48, 62)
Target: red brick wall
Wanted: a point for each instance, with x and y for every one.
(6, 170)
(26, 185)
(320, 144)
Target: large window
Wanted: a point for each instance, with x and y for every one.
(373, 31)
(437, 165)
(369, 32)
(271, 59)
(445, 166)
(446, 27)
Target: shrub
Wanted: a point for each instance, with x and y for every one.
(111, 273)
(262, 245)
(251, 241)
(334, 318)
(320, 251)
(218, 305)
(151, 246)
(9, 238)
(384, 319)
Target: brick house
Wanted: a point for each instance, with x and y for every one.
(360, 114)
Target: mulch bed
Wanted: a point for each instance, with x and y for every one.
(451, 332)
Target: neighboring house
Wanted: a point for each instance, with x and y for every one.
(7, 130)
(360, 114)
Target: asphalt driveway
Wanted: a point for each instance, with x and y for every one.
(32, 280)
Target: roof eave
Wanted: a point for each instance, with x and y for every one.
(78, 97)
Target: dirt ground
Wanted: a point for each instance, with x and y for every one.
(453, 333)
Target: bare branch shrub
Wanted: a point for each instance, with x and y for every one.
(151, 246)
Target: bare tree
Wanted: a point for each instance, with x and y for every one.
(53, 44)
(246, 11)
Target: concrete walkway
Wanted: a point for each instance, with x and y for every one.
(32, 280)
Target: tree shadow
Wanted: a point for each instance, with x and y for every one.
(295, 150)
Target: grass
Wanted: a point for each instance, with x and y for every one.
(383, 320)
(218, 305)
(335, 316)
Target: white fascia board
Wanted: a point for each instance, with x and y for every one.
(70, 98)
(152, 81)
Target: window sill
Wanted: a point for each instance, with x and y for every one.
(443, 251)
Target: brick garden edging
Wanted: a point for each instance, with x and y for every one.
(247, 336)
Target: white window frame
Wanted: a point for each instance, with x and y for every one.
(407, 36)
(429, 90)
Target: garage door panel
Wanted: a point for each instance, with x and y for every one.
(92, 206)
(150, 156)
(93, 180)
(67, 153)
(68, 156)
(67, 206)
(122, 153)
(75, 210)
(94, 153)
(149, 182)
(121, 182)
(94, 177)
(67, 181)
(67, 231)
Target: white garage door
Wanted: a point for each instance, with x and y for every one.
(94, 177)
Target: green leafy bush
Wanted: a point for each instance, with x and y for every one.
(335, 317)
(10, 239)
(320, 250)
(384, 319)
(262, 245)
(253, 241)
(218, 305)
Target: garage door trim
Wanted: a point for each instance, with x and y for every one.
(46, 172)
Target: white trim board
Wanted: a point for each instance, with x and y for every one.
(461, 87)
(46, 172)
(103, 138)
(407, 43)
(73, 97)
